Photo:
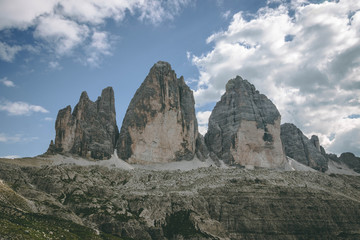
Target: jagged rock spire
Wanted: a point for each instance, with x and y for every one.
(90, 130)
(160, 123)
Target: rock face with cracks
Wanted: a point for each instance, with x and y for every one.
(89, 131)
(207, 203)
(244, 128)
(304, 150)
(160, 124)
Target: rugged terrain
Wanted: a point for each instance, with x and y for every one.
(39, 199)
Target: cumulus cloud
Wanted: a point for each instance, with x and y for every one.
(20, 108)
(65, 25)
(7, 82)
(61, 33)
(305, 57)
(203, 119)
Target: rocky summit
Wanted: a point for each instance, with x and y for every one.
(64, 194)
(160, 124)
(244, 128)
(304, 150)
(89, 131)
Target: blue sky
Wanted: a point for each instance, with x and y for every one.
(304, 55)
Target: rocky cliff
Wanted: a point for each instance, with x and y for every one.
(304, 150)
(244, 127)
(160, 123)
(58, 202)
(347, 158)
(89, 131)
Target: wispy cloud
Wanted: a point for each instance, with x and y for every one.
(307, 62)
(11, 156)
(55, 65)
(20, 108)
(4, 138)
(7, 52)
(7, 82)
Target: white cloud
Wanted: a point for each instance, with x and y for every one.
(203, 119)
(20, 108)
(11, 156)
(62, 34)
(4, 138)
(100, 46)
(55, 65)
(22, 13)
(64, 25)
(7, 82)
(7, 52)
(48, 119)
(226, 14)
(307, 63)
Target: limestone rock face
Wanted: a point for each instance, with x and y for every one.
(89, 131)
(244, 127)
(160, 123)
(348, 159)
(303, 150)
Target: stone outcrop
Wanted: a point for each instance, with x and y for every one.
(304, 150)
(207, 203)
(89, 131)
(244, 128)
(347, 158)
(160, 123)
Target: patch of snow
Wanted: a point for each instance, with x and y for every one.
(340, 168)
(293, 165)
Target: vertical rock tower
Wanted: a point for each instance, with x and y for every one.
(90, 131)
(160, 124)
(304, 150)
(244, 128)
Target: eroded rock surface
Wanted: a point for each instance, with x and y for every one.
(207, 203)
(304, 150)
(160, 123)
(89, 131)
(244, 127)
(347, 158)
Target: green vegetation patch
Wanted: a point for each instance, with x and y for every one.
(37, 226)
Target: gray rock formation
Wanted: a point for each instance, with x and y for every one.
(347, 158)
(90, 131)
(207, 203)
(244, 127)
(303, 150)
(160, 123)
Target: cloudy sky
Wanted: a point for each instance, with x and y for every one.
(304, 55)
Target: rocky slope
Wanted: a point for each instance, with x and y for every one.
(207, 203)
(160, 123)
(304, 150)
(90, 130)
(244, 127)
(347, 158)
